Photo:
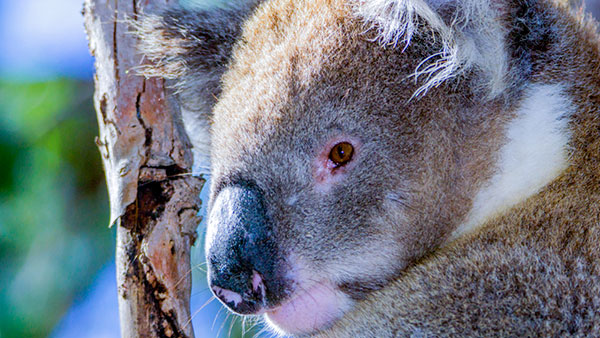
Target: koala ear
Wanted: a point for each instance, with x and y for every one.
(469, 30)
(191, 48)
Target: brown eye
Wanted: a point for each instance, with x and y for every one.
(341, 153)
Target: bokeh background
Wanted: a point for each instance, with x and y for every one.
(57, 276)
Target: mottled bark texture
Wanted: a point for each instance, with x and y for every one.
(147, 158)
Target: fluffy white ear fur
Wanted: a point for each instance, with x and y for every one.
(472, 37)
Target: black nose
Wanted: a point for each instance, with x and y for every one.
(240, 249)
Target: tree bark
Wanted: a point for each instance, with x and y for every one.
(147, 158)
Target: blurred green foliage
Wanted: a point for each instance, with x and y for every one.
(53, 203)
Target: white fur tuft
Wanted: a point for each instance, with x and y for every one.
(472, 38)
(396, 19)
(536, 152)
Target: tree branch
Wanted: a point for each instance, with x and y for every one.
(147, 159)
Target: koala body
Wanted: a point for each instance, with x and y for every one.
(395, 168)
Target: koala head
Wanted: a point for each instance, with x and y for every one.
(346, 139)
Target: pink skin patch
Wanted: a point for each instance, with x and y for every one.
(309, 309)
(325, 172)
(227, 295)
(312, 307)
(257, 284)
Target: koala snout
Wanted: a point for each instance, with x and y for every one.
(249, 302)
(241, 251)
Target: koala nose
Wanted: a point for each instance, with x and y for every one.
(240, 249)
(248, 303)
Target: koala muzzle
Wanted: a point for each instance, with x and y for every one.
(241, 250)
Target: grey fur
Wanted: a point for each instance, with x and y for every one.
(286, 79)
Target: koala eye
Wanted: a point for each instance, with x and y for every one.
(341, 153)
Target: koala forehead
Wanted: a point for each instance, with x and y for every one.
(280, 54)
(302, 72)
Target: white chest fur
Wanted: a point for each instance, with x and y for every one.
(534, 154)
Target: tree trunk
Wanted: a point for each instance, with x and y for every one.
(147, 158)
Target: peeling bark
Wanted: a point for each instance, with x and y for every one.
(147, 159)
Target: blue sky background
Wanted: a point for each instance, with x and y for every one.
(42, 39)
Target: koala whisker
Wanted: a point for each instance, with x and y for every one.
(227, 318)
(212, 327)
(254, 321)
(263, 330)
(197, 293)
(244, 326)
(189, 272)
(232, 322)
(210, 300)
(201, 268)
(182, 278)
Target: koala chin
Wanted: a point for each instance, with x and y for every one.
(393, 168)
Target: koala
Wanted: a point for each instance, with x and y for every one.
(394, 168)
